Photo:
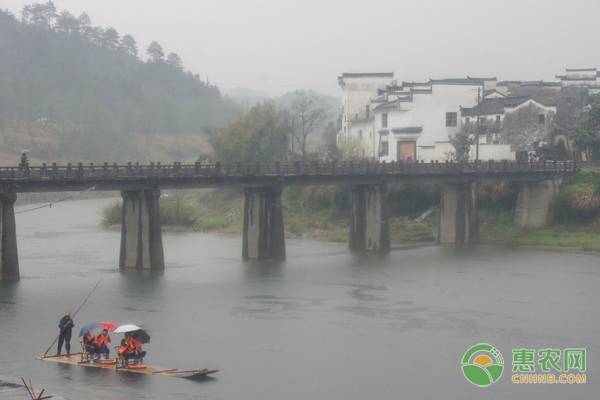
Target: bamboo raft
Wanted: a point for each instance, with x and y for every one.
(75, 359)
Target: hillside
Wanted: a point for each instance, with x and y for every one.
(70, 90)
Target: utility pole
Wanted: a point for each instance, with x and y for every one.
(478, 126)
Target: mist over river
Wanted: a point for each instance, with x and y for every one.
(324, 324)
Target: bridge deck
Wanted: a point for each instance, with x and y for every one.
(72, 177)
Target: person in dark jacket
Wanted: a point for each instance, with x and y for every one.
(65, 325)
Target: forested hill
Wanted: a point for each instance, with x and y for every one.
(69, 89)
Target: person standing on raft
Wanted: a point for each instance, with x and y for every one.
(65, 325)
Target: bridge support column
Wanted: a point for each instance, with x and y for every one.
(369, 228)
(141, 237)
(9, 259)
(534, 203)
(459, 223)
(263, 236)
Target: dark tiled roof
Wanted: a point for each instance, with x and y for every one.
(412, 84)
(486, 107)
(408, 129)
(497, 105)
(491, 78)
(367, 75)
(580, 69)
(577, 78)
(456, 81)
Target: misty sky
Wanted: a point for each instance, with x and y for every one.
(279, 45)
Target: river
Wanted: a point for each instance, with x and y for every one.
(324, 324)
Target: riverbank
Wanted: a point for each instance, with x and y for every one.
(219, 211)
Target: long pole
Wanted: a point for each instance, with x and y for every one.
(74, 314)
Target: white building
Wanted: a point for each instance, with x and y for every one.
(357, 119)
(581, 77)
(416, 120)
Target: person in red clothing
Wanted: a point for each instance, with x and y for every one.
(89, 343)
(137, 346)
(102, 342)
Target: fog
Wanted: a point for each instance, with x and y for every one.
(279, 45)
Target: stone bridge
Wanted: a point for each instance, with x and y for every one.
(263, 233)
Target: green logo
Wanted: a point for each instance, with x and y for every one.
(482, 364)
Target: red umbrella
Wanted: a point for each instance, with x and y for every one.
(108, 325)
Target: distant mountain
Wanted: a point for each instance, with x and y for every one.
(69, 89)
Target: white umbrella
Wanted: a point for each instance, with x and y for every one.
(127, 328)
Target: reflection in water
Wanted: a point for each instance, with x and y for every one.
(354, 326)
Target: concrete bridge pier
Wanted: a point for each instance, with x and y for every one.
(141, 237)
(534, 203)
(9, 259)
(369, 227)
(459, 223)
(263, 236)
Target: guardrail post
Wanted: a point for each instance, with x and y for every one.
(217, 168)
(197, 167)
(80, 170)
(277, 168)
(92, 169)
(43, 172)
(69, 170)
(54, 170)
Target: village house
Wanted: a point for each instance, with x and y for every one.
(357, 120)
(416, 120)
(581, 77)
(388, 121)
(507, 124)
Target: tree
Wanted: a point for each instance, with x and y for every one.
(174, 61)
(155, 52)
(84, 23)
(462, 144)
(308, 113)
(128, 45)
(40, 14)
(110, 39)
(587, 133)
(67, 23)
(258, 136)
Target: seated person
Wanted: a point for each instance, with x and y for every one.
(137, 347)
(102, 342)
(89, 345)
(126, 349)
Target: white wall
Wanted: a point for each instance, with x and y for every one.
(428, 110)
(495, 152)
(357, 93)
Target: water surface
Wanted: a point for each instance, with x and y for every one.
(324, 324)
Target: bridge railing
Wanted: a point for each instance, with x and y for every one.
(95, 172)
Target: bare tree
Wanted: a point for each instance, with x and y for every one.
(309, 113)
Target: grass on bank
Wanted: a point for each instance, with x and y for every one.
(323, 214)
(221, 211)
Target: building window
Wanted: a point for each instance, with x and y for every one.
(541, 119)
(497, 119)
(384, 122)
(450, 119)
(384, 149)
